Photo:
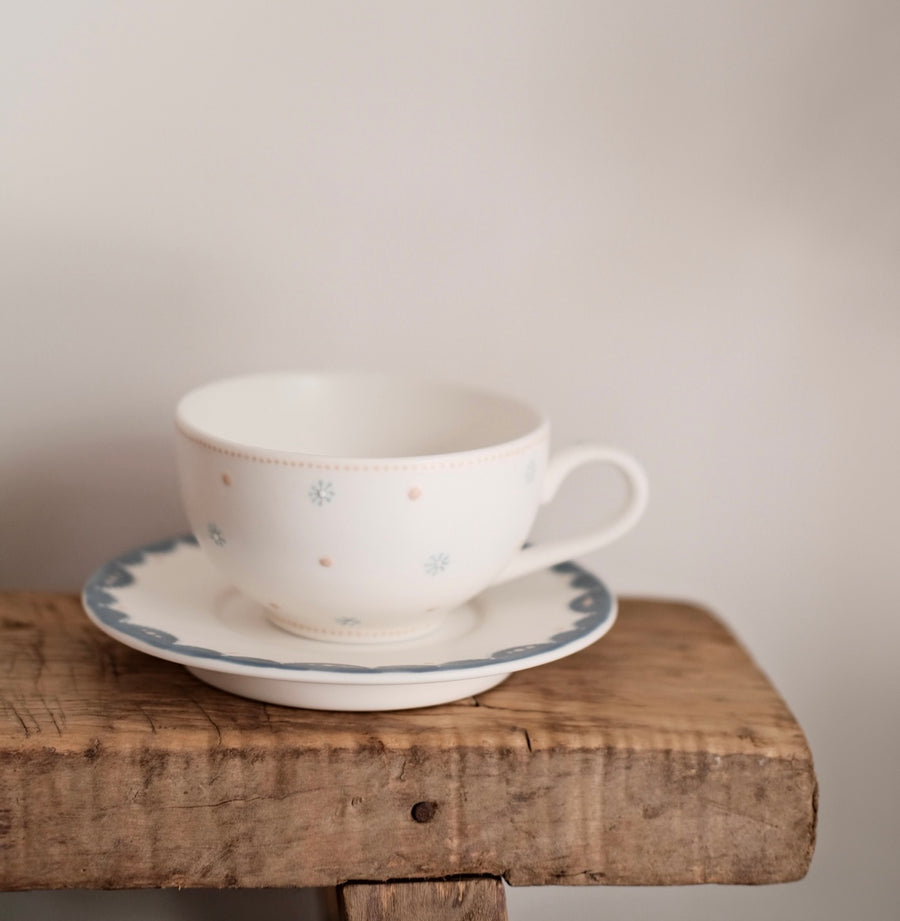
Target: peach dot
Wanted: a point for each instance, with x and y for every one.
(414, 493)
(326, 561)
(226, 479)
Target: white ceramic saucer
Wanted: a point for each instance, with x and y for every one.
(165, 599)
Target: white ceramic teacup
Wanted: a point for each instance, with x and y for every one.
(365, 507)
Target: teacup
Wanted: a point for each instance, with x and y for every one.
(366, 507)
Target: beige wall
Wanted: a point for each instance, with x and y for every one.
(674, 225)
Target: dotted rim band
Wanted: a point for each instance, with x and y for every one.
(362, 467)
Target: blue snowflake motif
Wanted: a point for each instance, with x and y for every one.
(349, 621)
(321, 492)
(216, 535)
(436, 563)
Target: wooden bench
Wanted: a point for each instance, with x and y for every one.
(660, 755)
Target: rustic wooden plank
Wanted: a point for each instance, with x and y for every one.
(660, 755)
(431, 900)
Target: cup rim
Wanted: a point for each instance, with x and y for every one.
(536, 432)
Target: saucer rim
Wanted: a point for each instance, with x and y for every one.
(101, 607)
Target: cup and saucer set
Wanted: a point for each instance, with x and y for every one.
(358, 543)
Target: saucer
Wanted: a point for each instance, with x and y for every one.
(165, 599)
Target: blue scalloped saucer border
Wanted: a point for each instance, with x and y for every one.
(590, 599)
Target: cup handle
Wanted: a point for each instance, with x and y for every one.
(560, 465)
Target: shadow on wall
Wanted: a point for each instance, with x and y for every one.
(70, 505)
(102, 334)
(168, 904)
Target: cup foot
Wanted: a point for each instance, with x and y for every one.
(357, 633)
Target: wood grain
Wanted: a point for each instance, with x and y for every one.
(432, 900)
(659, 755)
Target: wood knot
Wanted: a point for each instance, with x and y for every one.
(423, 812)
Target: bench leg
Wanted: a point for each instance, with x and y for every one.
(474, 899)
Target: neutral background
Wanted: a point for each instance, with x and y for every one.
(674, 225)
